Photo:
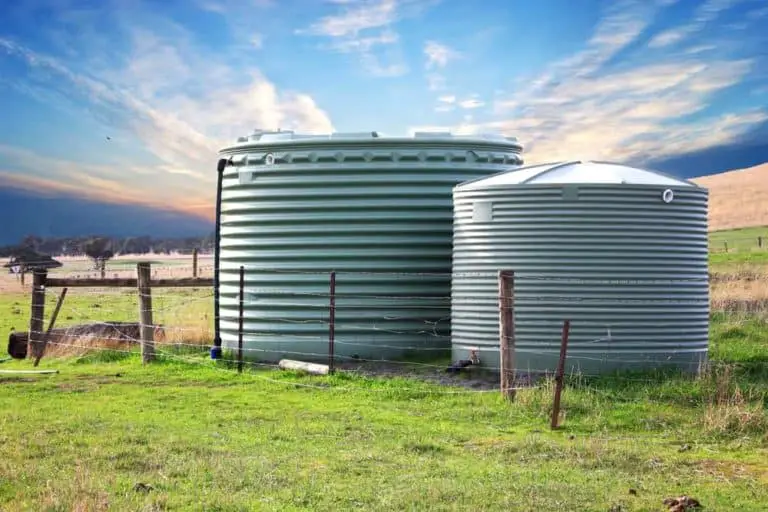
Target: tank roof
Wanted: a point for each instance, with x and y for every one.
(576, 173)
(270, 138)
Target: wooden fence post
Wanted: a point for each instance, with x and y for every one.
(144, 276)
(560, 373)
(54, 316)
(506, 334)
(725, 244)
(760, 242)
(35, 342)
(194, 262)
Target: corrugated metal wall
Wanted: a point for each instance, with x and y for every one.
(627, 269)
(378, 211)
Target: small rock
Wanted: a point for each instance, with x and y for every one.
(633, 492)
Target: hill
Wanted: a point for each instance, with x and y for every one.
(29, 213)
(737, 199)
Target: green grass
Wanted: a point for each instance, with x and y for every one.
(205, 438)
(745, 239)
(721, 260)
(190, 307)
(742, 245)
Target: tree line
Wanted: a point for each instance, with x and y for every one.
(82, 246)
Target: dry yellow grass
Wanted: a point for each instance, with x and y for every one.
(186, 315)
(730, 410)
(737, 199)
(740, 290)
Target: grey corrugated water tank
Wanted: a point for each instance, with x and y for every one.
(620, 252)
(377, 210)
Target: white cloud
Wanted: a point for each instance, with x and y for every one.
(245, 19)
(366, 44)
(668, 37)
(366, 27)
(581, 107)
(448, 98)
(100, 181)
(182, 126)
(438, 55)
(471, 103)
(355, 19)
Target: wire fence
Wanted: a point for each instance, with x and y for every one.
(738, 244)
(401, 327)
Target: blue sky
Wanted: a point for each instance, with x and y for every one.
(170, 82)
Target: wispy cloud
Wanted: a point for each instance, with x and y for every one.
(438, 55)
(367, 28)
(154, 94)
(102, 182)
(705, 13)
(587, 107)
(446, 103)
(471, 103)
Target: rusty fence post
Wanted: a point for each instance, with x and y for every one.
(506, 333)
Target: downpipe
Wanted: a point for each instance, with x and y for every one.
(216, 348)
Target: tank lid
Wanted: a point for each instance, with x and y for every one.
(289, 136)
(576, 172)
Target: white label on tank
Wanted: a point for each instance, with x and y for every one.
(482, 211)
(246, 177)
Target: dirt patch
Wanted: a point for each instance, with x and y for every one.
(470, 378)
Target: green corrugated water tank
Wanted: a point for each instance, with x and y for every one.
(621, 252)
(376, 210)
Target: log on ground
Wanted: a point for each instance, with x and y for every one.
(301, 366)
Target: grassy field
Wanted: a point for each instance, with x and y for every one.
(206, 438)
(740, 240)
(186, 434)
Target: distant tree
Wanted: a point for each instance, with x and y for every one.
(100, 251)
(32, 242)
